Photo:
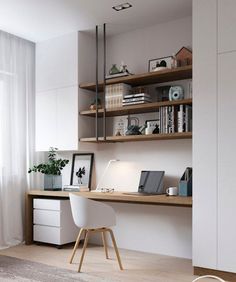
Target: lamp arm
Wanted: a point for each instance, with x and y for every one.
(104, 172)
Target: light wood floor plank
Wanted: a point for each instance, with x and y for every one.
(139, 266)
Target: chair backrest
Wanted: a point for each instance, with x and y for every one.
(91, 214)
(209, 276)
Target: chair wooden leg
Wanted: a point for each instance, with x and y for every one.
(84, 248)
(76, 244)
(115, 247)
(105, 243)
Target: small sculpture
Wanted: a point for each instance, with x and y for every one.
(121, 71)
(114, 70)
(156, 130)
(123, 68)
(133, 130)
(184, 57)
(118, 133)
(93, 104)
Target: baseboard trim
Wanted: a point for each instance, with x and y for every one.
(228, 276)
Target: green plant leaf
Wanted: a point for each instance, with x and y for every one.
(53, 166)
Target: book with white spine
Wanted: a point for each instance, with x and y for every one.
(136, 99)
(181, 119)
(137, 95)
(135, 103)
(75, 188)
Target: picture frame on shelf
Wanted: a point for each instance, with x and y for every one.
(159, 63)
(120, 125)
(81, 170)
(152, 126)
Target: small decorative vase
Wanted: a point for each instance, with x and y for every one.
(52, 182)
(114, 70)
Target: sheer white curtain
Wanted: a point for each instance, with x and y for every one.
(17, 73)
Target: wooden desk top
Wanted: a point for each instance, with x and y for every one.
(119, 197)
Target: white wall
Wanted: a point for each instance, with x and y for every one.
(56, 63)
(137, 47)
(164, 230)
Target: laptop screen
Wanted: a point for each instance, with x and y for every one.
(151, 182)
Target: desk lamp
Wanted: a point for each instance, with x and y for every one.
(103, 174)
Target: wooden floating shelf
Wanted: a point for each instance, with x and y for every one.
(145, 78)
(135, 109)
(130, 138)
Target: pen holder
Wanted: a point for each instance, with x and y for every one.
(185, 183)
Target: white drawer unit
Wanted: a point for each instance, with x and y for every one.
(53, 222)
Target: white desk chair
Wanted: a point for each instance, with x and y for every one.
(91, 216)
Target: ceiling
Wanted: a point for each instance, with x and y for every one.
(38, 20)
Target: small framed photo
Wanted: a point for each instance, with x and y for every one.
(81, 170)
(159, 63)
(120, 125)
(152, 126)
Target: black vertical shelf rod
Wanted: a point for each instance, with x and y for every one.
(104, 81)
(96, 116)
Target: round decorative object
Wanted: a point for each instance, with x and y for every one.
(176, 93)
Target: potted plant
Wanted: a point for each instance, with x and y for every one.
(51, 170)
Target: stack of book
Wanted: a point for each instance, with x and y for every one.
(175, 119)
(115, 93)
(134, 99)
(75, 188)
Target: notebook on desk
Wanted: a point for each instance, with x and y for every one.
(150, 183)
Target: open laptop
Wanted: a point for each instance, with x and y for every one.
(150, 183)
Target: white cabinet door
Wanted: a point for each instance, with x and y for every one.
(57, 62)
(67, 118)
(46, 120)
(227, 25)
(226, 162)
(205, 131)
(57, 119)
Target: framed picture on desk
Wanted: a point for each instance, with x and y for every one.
(81, 170)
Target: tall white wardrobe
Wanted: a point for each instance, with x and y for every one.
(214, 153)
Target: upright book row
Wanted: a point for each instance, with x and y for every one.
(175, 119)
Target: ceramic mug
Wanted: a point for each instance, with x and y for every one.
(172, 191)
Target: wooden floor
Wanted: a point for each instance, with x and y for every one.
(138, 266)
